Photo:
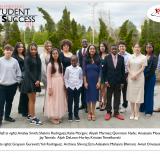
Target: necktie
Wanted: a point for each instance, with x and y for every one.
(84, 52)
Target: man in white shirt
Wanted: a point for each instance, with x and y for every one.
(126, 56)
(73, 81)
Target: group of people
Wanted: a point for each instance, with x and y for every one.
(92, 75)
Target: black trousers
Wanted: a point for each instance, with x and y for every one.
(116, 91)
(73, 97)
(124, 91)
(7, 94)
(83, 96)
(23, 104)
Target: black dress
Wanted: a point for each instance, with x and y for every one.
(32, 73)
(66, 61)
(23, 101)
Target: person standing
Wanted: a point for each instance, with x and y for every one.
(31, 83)
(114, 76)
(126, 56)
(92, 79)
(65, 54)
(56, 104)
(19, 54)
(81, 54)
(103, 52)
(45, 56)
(150, 80)
(73, 82)
(10, 77)
(135, 89)
(158, 68)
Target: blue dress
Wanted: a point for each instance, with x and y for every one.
(92, 73)
(150, 80)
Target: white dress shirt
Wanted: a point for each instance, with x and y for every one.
(73, 77)
(126, 57)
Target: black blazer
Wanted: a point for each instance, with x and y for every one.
(151, 67)
(111, 74)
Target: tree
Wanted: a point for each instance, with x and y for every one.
(64, 26)
(144, 33)
(74, 36)
(50, 25)
(123, 30)
(103, 32)
(6, 32)
(128, 41)
(15, 35)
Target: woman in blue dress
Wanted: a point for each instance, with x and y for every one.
(150, 79)
(92, 77)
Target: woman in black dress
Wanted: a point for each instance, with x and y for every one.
(31, 82)
(66, 55)
(19, 54)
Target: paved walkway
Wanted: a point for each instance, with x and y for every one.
(143, 122)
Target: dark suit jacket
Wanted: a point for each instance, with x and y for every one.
(111, 74)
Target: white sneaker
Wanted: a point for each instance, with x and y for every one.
(136, 118)
(131, 117)
(122, 110)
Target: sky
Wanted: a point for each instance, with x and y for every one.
(81, 11)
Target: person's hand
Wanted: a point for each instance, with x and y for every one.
(86, 85)
(50, 91)
(37, 84)
(107, 84)
(134, 77)
(98, 85)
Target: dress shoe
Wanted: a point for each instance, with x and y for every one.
(9, 119)
(118, 116)
(86, 111)
(107, 116)
(156, 110)
(81, 107)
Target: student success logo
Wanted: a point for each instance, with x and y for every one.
(154, 13)
(15, 13)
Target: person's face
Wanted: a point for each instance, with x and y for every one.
(55, 55)
(20, 49)
(8, 53)
(149, 49)
(33, 50)
(66, 47)
(92, 51)
(136, 49)
(102, 48)
(122, 48)
(74, 62)
(84, 43)
(49, 48)
(114, 50)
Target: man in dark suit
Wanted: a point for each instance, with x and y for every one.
(114, 75)
(81, 54)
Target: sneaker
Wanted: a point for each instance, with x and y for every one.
(123, 110)
(118, 116)
(29, 117)
(70, 119)
(35, 121)
(77, 119)
(107, 116)
(9, 119)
